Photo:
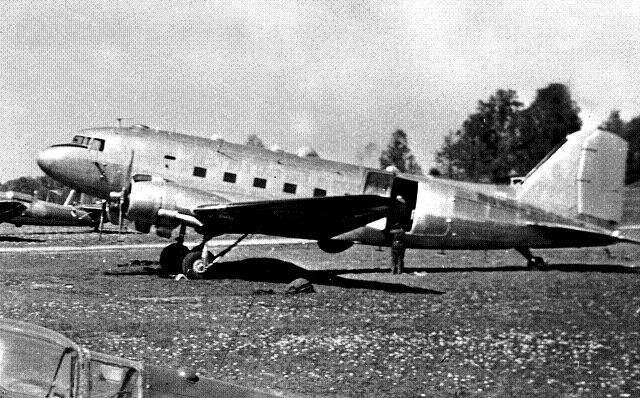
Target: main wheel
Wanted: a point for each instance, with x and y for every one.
(193, 266)
(171, 258)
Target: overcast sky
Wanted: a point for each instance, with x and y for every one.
(333, 75)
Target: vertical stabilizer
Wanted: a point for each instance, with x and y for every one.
(583, 179)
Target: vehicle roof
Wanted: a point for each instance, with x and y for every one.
(36, 331)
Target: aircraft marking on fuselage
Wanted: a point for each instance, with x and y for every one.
(215, 243)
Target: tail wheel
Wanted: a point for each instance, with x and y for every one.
(171, 258)
(193, 266)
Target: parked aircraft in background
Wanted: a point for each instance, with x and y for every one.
(23, 209)
(571, 199)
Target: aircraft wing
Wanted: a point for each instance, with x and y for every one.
(308, 218)
(10, 209)
(584, 235)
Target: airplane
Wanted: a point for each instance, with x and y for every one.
(572, 198)
(22, 209)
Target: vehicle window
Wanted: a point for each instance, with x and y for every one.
(78, 139)
(30, 366)
(289, 188)
(229, 177)
(97, 144)
(199, 172)
(317, 192)
(259, 182)
(113, 380)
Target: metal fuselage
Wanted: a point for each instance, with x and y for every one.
(445, 214)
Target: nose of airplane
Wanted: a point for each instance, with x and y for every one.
(49, 158)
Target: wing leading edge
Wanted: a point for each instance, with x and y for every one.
(307, 218)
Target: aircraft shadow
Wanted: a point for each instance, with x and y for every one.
(279, 271)
(83, 231)
(602, 268)
(19, 239)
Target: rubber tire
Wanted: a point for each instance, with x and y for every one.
(171, 258)
(187, 265)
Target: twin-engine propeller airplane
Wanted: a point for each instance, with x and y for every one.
(23, 209)
(573, 198)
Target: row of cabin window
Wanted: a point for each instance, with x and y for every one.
(257, 182)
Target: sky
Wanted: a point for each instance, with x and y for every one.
(333, 75)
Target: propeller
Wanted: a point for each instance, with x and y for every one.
(103, 211)
(121, 197)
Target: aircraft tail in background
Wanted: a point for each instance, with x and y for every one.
(583, 179)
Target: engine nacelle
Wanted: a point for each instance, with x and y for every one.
(164, 204)
(334, 246)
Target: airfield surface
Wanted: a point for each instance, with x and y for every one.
(458, 324)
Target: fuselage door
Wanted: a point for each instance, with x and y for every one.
(405, 193)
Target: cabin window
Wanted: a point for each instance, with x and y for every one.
(229, 177)
(199, 172)
(289, 188)
(259, 182)
(318, 192)
(169, 157)
(97, 144)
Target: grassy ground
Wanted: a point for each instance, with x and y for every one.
(459, 324)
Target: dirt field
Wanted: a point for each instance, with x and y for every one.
(458, 324)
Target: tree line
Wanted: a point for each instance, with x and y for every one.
(504, 139)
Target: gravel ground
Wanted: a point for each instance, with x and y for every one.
(458, 324)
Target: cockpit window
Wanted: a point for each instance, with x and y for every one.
(97, 144)
(81, 140)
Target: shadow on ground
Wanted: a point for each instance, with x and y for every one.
(602, 268)
(279, 271)
(19, 239)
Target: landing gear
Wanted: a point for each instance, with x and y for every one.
(200, 260)
(171, 256)
(533, 262)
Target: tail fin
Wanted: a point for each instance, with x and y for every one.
(583, 179)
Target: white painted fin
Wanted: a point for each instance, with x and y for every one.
(583, 179)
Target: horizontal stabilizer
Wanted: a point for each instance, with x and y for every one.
(308, 218)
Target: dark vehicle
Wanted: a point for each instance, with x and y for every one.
(38, 362)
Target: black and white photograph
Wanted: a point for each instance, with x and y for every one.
(296, 198)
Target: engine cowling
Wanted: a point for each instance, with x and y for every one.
(334, 246)
(164, 204)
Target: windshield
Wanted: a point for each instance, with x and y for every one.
(35, 367)
(113, 380)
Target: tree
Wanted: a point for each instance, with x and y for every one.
(501, 139)
(254, 140)
(545, 124)
(614, 123)
(399, 155)
(482, 150)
